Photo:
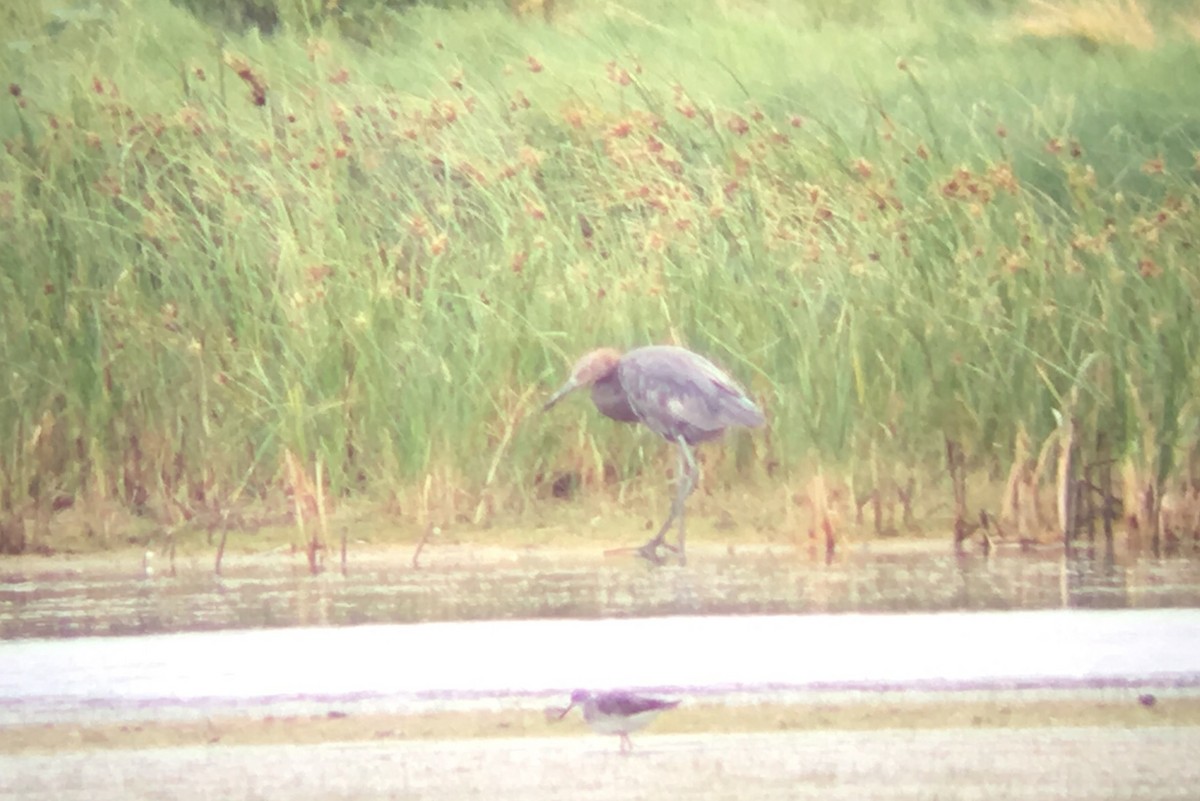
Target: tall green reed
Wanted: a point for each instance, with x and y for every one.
(374, 259)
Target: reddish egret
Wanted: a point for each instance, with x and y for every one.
(617, 712)
(677, 394)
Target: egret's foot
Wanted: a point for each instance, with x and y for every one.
(650, 552)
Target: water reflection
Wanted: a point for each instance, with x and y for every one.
(1094, 583)
(276, 590)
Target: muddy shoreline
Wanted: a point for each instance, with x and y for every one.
(1124, 709)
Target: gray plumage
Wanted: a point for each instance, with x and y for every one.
(679, 395)
(617, 712)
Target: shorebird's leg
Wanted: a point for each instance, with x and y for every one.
(626, 743)
(649, 551)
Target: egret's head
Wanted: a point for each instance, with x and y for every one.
(594, 366)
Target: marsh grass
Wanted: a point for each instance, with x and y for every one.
(899, 226)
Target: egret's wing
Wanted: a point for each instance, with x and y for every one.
(672, 388)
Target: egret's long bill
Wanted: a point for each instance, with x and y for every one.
(560, 393)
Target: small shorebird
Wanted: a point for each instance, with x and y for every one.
(617, 712)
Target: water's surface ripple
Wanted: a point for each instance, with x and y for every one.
(277, 591)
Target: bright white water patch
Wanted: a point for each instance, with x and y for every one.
(394, 664)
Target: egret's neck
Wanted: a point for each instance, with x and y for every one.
(610, 398)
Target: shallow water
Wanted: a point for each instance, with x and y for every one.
(58, 598)
(105, 639)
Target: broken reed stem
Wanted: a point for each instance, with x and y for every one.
(344, 537)
(1150, 506)
(298, 511)
(321, 532)
(1066, 482)
(221, 543)
(1108, 510)
(429, 531)
(955, 466)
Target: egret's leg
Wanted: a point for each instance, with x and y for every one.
(626, 743)
(649, 551)
(691, 471)
(686, 483)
